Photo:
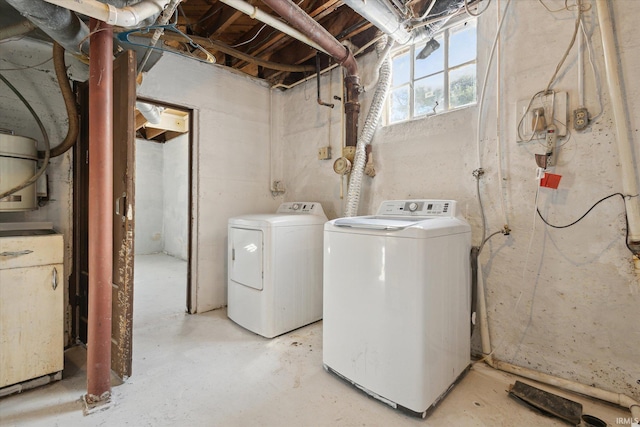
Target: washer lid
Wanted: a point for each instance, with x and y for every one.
(377, 222)
(414, 227)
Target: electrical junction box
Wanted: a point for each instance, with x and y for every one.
(324, 153)
(558, 109)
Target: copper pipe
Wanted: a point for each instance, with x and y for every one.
(100, 211)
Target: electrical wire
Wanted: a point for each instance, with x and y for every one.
(566, 53)
(25, 67)
(45, 161)
(466, 8)
(590, 209)
(596, 76)
(252, 38)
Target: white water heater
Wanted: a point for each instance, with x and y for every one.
(18, 163)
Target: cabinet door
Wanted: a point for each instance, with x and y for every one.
(31, 322)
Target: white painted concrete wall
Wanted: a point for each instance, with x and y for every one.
(560, 301)
(230, 166)
(149, 212)
(175, 180)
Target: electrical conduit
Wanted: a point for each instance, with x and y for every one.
(370, 125)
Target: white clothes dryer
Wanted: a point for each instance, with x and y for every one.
(275, 269)
(396, 320)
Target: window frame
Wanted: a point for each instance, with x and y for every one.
(411, 50)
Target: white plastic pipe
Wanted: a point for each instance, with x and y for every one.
(271, 21)
(625, 152)
(608, 396)
(128, 16)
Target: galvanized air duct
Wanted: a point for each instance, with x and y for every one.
(59, 23)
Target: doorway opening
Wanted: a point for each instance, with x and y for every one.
(163, 211)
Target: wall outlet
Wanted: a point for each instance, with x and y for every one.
(324, 153)
(560, 116)
(580, 118)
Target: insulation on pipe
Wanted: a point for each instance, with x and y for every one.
(370, 125)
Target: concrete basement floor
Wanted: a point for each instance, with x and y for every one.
(204, 370)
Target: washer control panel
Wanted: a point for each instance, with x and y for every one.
(308, 208)
(419, 207)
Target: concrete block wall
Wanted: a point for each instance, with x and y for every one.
(565, 301)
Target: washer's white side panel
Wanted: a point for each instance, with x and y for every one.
(396, 313)
(245, 266)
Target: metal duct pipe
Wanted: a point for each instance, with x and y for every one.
(303, 22)
(128, 16)
(18, 29)
(383, 18)
(57, 22)
(100, 212)
(150, 112)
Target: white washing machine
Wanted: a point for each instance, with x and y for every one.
(275, 269)
(397, 299)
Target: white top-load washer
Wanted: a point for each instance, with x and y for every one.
(396, 320)
(275, 269)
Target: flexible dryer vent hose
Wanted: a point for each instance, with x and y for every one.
(370, 125)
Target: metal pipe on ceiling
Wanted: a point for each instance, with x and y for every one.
(301, 20)
(100, 212)
(261, 16)
(316, 32)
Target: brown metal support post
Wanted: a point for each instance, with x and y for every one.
(100, 211)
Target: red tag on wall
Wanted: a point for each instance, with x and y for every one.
(550, 180)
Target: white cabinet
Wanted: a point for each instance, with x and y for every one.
(31, 306)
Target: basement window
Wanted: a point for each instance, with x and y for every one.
(434, 76)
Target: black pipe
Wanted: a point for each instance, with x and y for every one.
(320, 101)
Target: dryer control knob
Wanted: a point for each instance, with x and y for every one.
(295, 206)
(413, 206)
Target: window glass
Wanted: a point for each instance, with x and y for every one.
(399, 104)
(462, 44)
(401, 71)
(434, 76)
(431, 64)
(429, 95)
(462, 86)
